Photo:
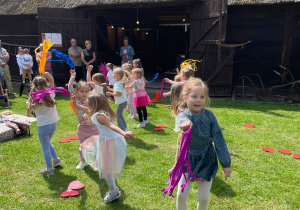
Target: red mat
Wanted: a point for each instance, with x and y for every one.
(69, 192)
(249, 125)
(158, 129)
(296, 156)
(64, 140)
(268, 149)
(161, 126)
(75, 185)
(285, 151)
(73, 137)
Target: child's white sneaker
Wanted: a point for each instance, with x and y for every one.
(145, 122)
(110, 196)
(141, 124)
(134, 116)
(81, 165)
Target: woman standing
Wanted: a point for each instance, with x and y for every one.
(126, 52)
(88, 57)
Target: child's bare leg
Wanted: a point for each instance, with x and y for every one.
(24, 75)
(29, 75)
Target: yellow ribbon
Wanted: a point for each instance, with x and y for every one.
(190, 63)
(46, 47)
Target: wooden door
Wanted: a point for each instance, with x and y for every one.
(207, 33)
(71, 23)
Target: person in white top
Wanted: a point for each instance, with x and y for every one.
(111, 81)
(46, 116)
(97, 81)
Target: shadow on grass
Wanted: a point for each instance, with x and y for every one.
(221, 189)
(103, 188)
(139, 143)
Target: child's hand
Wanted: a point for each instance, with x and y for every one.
(167, 80)
(186, 125)
(227, 172)
(73, 73)
(129, 134)
(85, 116)
(92, 84)
(108, 93)
(177, 70)
(165, 94)
(90, 68)
(74, 99)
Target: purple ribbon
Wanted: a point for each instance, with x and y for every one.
(39, 95)
(178, 169)
(162, 91)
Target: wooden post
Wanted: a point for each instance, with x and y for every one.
(93, 29)
(287, 39)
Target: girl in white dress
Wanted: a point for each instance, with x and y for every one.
(110, 152)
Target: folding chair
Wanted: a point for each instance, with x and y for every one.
(3, 94)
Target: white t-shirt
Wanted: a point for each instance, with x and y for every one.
(118, 87)
(46, 115)
(110, 78)
(98, 89)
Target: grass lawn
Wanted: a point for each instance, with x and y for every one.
(259, 180)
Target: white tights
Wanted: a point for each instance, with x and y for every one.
(203, 194)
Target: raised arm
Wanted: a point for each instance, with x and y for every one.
(88, 73)
(71, 82)
(104, 121)
(79, 107)
(50, 79)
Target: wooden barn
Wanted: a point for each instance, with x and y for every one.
(215, 31)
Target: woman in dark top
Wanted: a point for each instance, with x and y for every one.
(88, 57)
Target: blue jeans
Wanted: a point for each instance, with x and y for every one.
(120, 119)
(45, 133)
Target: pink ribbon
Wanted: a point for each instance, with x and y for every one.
(178, 169)
(162, 91)
(39, 95)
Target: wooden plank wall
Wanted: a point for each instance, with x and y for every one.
(204, 23)
(72, 23)
(264, 26)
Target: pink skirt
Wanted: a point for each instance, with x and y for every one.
(141, 98)
(86, 131)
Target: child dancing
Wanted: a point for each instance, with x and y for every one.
(207, 144)
(110, 78)
(111, 147)
(140, 97)
(97, 81)
(46, 116)
(85, 128)
(120, 97)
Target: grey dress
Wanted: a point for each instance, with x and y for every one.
(204, 154)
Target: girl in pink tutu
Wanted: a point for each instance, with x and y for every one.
(110, 152)
(140, 97)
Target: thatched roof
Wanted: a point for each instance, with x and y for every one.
(27, 7)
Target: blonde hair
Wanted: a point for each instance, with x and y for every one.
(127, 66)
(82, 85)
(187, 72)
(120, 72)
(99, 103)
(191, 83)
(177, 78)
(39, 83)
(127, 77)
(26, 51)
(176, 90)
(138, 71)
(88, 42)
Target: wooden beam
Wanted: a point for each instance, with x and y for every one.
(63, 19)
(287, 38)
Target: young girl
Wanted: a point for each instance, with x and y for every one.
(140, 97)
(111, 147)
(110, 78)
(120, 97)
(129, 91)
(85, 128)
(97, 81)
(46, 116)
(137, 63)
(207, 144)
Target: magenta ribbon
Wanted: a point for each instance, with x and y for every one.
(39, 95)
(178, 169)
(162, 91)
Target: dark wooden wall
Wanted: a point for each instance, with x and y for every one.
(18, 30)
(264, 26)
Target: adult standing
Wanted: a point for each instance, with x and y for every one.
(38, 57)
(88, 57)
(127, 51)
(4, 56)
(75, 54)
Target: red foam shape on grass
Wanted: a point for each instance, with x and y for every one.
(158, 129)
(161, 126)
(285, 151)
(69, 192)
(64, 140)
(109, 103)
(268, 149)
(296, 156)
(249, 125)
(167, 106)
(73, 137)
(75, 185)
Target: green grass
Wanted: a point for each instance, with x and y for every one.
(259, 180)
